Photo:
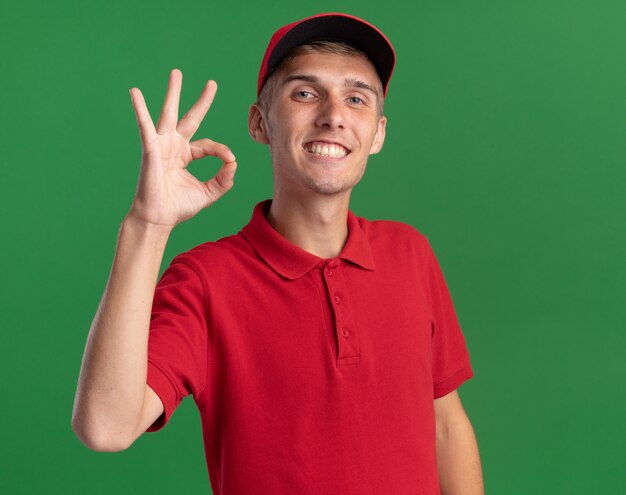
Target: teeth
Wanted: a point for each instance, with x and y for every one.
(325, 149)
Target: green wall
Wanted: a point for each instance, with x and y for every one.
(505, 146)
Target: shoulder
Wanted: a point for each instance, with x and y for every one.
(393, 233)
(216, 255)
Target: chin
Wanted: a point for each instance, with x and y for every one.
(330, 187)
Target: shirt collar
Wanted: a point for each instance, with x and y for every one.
(291, 261)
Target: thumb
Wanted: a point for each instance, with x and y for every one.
(221, 183)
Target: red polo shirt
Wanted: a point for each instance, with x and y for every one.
(311, 375)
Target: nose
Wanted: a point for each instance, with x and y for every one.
(331, 113)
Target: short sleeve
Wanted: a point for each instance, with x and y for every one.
(450, 358)
(177, 343)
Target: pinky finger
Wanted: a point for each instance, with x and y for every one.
(144, 121)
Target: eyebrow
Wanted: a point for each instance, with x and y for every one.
(351, 82)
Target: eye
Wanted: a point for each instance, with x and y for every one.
(303, 94)
(355, 100)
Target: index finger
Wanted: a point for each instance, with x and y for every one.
(189, 124)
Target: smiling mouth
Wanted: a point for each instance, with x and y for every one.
(332, 150)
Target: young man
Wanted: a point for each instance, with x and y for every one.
(321, 349)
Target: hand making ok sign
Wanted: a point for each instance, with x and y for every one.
(167, 193)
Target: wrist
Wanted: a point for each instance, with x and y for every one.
(139, 227)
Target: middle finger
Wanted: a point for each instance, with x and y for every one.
(189, 124)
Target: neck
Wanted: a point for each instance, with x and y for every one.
(317, 224)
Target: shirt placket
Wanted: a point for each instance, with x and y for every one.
(346, 333)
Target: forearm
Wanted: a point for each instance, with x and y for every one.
(460, 472)
(112, 383)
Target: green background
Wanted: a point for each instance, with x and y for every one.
(505, 146)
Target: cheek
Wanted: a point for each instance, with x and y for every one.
(369, 135)
(277, 132)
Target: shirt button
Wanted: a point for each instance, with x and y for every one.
(329, 272)
(337, 299)
(345, 333)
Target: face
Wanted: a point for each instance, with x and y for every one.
(322, 123)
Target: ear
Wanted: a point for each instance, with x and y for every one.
(256, 125)
(379, 138)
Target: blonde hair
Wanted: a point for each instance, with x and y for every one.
(335, 47)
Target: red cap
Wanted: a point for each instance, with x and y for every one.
(331, 27)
